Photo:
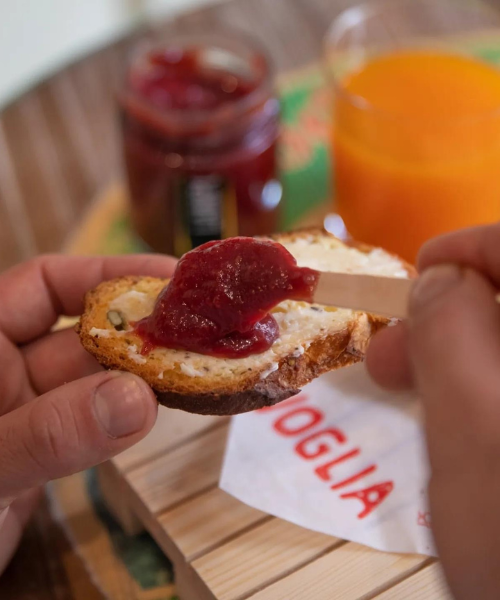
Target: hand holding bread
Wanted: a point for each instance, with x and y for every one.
(60, 412)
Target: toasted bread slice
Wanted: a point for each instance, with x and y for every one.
(313, 339)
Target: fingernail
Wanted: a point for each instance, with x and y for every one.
(121, 405)
(433, 283)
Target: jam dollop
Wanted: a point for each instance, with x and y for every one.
(220, 295)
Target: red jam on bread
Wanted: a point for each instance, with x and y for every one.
(220, 295)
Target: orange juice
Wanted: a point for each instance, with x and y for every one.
(417, 148)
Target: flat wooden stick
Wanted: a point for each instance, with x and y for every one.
(385, 296)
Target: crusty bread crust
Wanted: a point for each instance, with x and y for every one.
(209, 395)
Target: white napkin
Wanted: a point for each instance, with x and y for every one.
(343, 458)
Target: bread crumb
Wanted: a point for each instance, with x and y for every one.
(191, 371)
(104, 333)
(265, 374)
(135, 356)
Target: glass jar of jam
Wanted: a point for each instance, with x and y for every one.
(200, 126)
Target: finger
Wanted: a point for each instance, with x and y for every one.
(476, 247)
(13, 523)
(15, 387)
(36, 293)
(387, 358)
(454, 332)
(56, 359)
(73, 428)
(454, 329)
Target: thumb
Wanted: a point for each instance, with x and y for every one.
(454, 345)
(73, 428)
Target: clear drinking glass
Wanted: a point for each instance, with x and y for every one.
(416, 119)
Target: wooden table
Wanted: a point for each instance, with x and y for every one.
(59, 145)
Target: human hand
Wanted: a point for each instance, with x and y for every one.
(449, 351)
(60, 412)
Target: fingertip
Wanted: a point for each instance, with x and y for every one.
(158, 265)
(72, 428)
(426, 252)
(387, 358)
(124, 406)
(454, 334)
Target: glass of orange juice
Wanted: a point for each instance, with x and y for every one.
(416, 127)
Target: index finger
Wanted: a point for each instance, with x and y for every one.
(477, 248)
(34, 294)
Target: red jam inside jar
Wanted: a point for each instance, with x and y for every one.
(219, 298)
(200, 127)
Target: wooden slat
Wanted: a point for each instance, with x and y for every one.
(192, 468)
(427, 584)
(34, 183)
(114, 493)
(17, 239)
(189, 584)
(264, 554)
(72, 94)
(94, 82)
(48, 161)
(172, 427)
(283, 23)
(70, 130)
(10, 251)
(350, 572)
(206, 521)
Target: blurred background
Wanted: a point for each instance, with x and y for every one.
(55, 32)
(71, 111)
(59, 133)
(74, 117)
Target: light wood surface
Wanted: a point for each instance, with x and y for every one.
(259, 557)
(172, 427)
(350, 572)
(225, 550)
(207, 521)
(180, 474)
(427, 584)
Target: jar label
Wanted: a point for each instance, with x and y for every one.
(208, 212)
(204, 197)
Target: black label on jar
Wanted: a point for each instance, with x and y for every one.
(204, 198)
(208, 212)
